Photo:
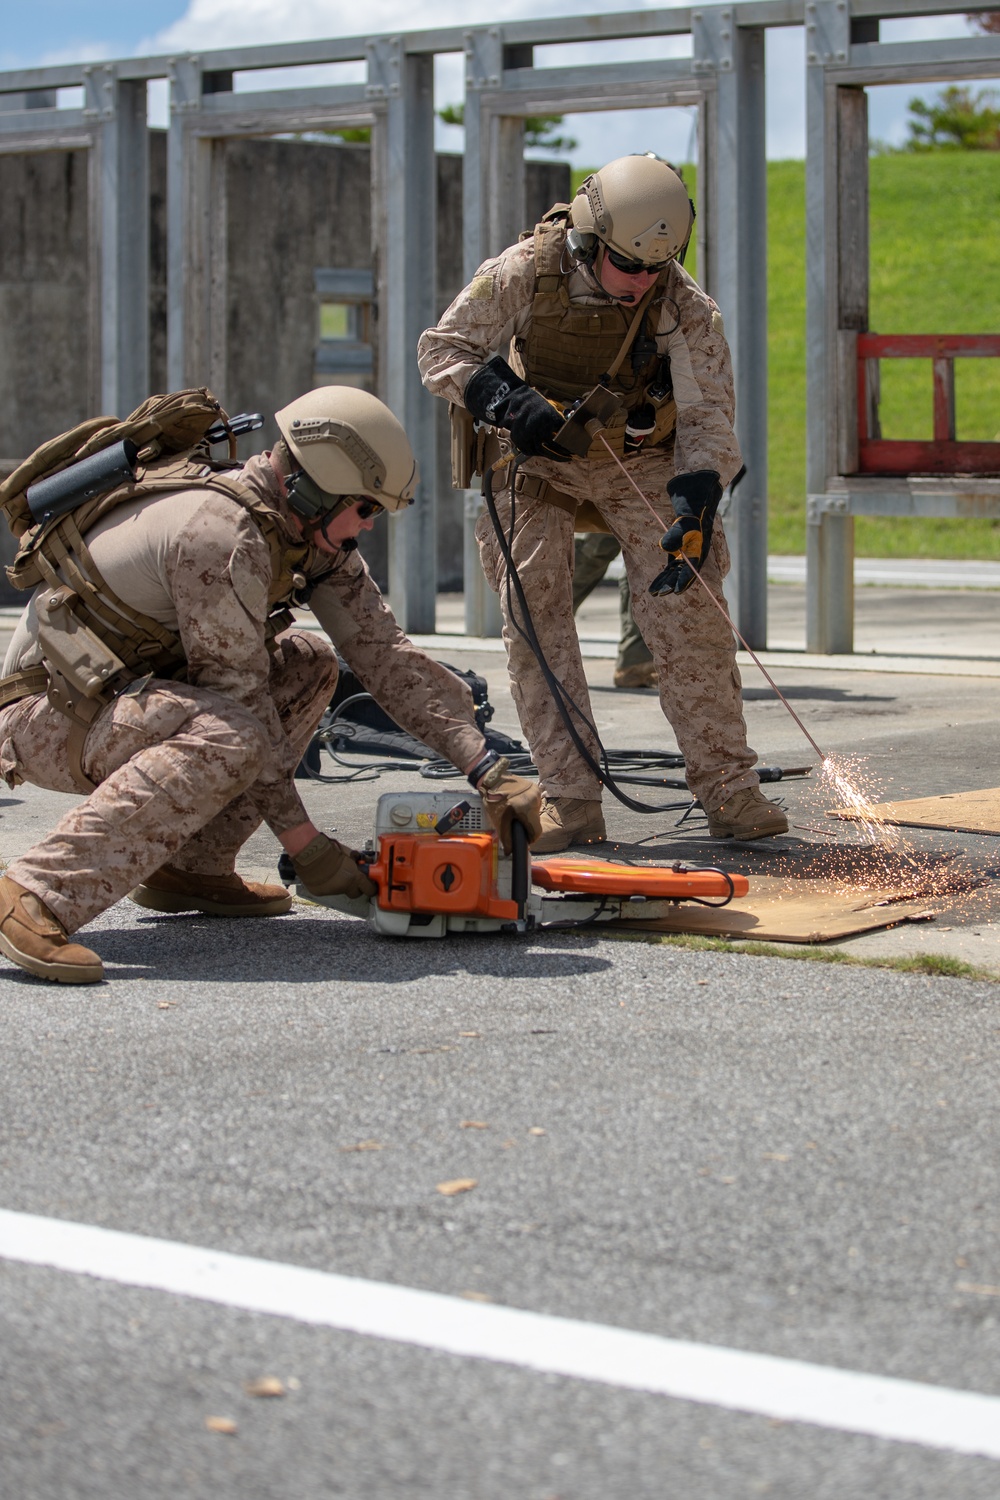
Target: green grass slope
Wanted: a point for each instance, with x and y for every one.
(934, 268)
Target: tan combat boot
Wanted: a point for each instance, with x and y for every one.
(569, 820)
(31, 937)
(746, 815)
(215, 895)
(642, 675)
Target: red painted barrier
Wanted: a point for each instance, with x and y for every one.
(943, 455)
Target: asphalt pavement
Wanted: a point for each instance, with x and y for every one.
(783, 1159)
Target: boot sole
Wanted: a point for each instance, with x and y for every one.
(179, 905)
(61, 973)
(746, 834)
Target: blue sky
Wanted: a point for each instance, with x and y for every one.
(64, 30)
(67, 28)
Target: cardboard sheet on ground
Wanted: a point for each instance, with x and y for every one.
(793, 911)
(958, 812)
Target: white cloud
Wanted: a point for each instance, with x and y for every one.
(207, 24)
(230, 22)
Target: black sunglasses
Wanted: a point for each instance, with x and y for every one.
(368, 508)
(630, 267)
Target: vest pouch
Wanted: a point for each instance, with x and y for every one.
(466, 447)
(666, 418)
(71, 650)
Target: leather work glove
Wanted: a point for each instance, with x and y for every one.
(326, 868)
(510, 799)
(497, 396)
(695, 500)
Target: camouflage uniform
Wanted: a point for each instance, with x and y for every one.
(185, 771)
(593, 554)
(691, 643)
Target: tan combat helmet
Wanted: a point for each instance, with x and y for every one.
(637, 206)
(349, 444)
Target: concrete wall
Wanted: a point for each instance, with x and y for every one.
(292, 207)
(46, 337)
(45, 347)
(295, 206)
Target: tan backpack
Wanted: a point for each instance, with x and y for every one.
(163, 425)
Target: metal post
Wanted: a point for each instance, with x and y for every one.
(829, 537)
(507, 186)
(119, 109)
(186, 249)
(406, 260)
(484, 61)
(735, 176)
(482, 605)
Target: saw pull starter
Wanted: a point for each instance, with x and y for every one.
(439, 868)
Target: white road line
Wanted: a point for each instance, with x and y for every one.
(900, 1410)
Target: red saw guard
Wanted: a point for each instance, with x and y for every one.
(598, 877)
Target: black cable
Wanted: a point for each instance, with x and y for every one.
(525, 628)
(368, 772)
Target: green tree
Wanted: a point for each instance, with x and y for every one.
(356, 134)
(538, 129)
(957, 118)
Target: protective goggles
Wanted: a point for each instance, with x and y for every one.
(630, 267)
(367, 508)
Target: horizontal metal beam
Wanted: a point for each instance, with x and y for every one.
(526, 86)
(959, 498)
(348, 102)
(58, 76)
(345, 283)
(769, 13)
(898, 10)
(554, 31)
(588, 94)
(340, 356)
(44, 129)
(593, 28)
(928, 59)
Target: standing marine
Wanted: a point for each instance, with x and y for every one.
(597, 298)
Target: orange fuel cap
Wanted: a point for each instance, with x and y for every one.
(599, 877)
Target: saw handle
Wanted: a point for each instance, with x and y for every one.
(520, 872)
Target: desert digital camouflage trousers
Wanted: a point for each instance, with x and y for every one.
(691, 642)
(171, 765)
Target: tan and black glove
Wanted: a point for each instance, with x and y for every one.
(496, 394)
(510, 799)
(695, 498)
(326, 868)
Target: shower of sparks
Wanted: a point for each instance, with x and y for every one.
(842, 776)
(883, 860)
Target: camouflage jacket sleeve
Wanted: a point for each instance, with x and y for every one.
(218, 570)
(482, 320)
(425, 698)
(702, 374)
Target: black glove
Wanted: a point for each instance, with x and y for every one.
(695, 500)
(497, 396)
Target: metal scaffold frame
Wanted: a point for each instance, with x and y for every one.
(723, 78)
(843, 58)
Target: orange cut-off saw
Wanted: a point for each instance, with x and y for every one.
(439, 868)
